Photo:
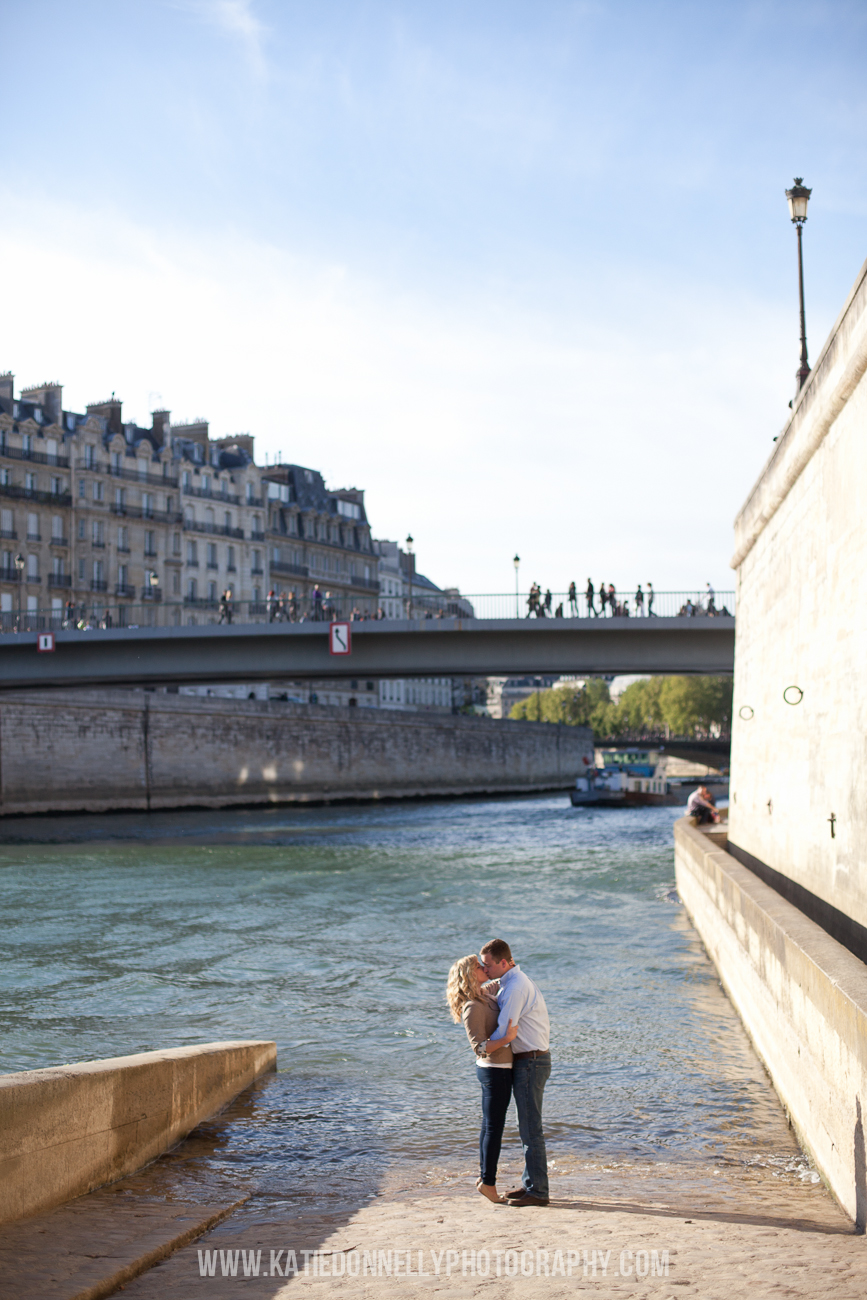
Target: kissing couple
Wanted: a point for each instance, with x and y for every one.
(507, 1024)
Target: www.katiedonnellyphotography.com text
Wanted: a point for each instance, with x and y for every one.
(419, 1262)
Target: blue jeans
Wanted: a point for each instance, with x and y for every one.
(529, 1077)
(496, 1095)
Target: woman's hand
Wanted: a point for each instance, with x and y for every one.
(510, 1034)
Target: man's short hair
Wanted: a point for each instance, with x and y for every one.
(498, 949)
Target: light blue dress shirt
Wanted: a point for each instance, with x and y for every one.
(521, 1002)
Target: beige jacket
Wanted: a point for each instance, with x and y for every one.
(480, 1021)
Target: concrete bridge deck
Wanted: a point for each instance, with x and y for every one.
(426, 648)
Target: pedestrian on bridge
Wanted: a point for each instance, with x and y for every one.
(649, 599)
(588, 596)
(273, 605)
(603, 598)
(612, 599)
(548, 603)
(639, 602)
(573, 601)
(226, 606)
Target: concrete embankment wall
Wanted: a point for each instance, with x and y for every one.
(95, 751)
(803, 1000)
(67, 1130)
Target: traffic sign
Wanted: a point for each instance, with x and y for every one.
(340, 639)
(45, 641)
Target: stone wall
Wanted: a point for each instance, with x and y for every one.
(72, 1128)
(802, 998)
(89, 750)
(799, 769)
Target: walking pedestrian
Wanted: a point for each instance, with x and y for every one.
(573, 601)
(588, 596)
(548, 603)
(639, 602)
(69, 614)
(649, 599)
(612, 599)
(273, 605)
(316, 599)
(603, 598)
(226, 607)
(291, 607)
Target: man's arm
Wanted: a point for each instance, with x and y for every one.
(511, 1005)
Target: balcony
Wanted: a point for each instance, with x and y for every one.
(60, 541)
(99, 545)
(297, 570)
(8, 574)
(34, 537)
(152, 594)
(213, 530)
(37, 457)
(9, 534)
(33, 577)
(371, 583)
(99, 584)
(59, 580)
(137, 512)
(231, 498)
(130, 475)
(256, 537)
(192, 564)
(123, 550)
(257, 573)
(201, 601)
(121, 589)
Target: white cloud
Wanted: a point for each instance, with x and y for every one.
(237, 19)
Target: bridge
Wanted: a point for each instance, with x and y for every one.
(448, 647)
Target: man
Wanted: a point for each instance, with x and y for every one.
(588, 596)
(700, 808)
(649, 599)
(521, 1003)
(573, 601)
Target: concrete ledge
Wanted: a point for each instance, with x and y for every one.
(67, 1130)
(802, 998)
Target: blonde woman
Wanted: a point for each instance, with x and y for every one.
(476, 1008)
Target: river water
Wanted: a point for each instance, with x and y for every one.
(331, 930)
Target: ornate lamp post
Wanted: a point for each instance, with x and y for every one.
(799, 197)
(19, 565)
(410, 566)
(517, 564)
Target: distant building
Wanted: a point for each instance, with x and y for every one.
(505, 692)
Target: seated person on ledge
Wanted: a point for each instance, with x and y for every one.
(700, 807)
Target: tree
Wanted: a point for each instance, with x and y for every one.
(684, 706)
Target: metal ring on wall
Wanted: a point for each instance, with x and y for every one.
(793, 695)
(746, 713)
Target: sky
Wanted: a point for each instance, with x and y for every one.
(522, 271)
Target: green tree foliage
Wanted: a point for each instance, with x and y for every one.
(684, 706)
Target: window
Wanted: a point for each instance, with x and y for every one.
(212, 555)
(30, 482)
(57, 527)
(176, 583)
(150, 547)
(249, 491)
(147, 503)
(119, 498)
(98, 532)
(192, 552)
(116, 460)
(278, 492)
(176, 543)
(89, 456)
(212, 591)
(192, 589)
(123, 538)
(256, 566)
(257, 595)
(33, 568)
(5, 477)
(26, 444)
(170, 504)
(6, 522)
(6, 602)
(209, 517)
(57, 566)
(98, 569)
(32, 604)
(275, 554)
(51, 450)
(57, 486)
(98, 494)
(33, 528)
(227, 519)
(122, 575)
(82, 487)
(257, 523)
(142, 467)
(81, 570)
(230, 560)
(206, 483)
(187, 480)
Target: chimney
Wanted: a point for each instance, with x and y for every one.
(49, 397)
(162, 426)
(7, 385)
(109, 411)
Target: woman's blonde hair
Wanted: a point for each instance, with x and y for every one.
(463, 984)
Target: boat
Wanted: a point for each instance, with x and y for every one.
(609, 786)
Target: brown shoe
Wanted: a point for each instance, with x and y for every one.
(528, 1199)
(518, 1192)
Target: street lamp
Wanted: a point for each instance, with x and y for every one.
(410, 555)
(19, 565)
(799, 197)
(517, 564)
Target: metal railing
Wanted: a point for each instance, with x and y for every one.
(154, 610)
(658, 604)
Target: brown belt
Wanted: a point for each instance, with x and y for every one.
(528, 1056)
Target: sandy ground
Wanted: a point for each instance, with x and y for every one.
(429, 1244)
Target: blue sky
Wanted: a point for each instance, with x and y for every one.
(524, 272)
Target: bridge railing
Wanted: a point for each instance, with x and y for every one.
(103, 611)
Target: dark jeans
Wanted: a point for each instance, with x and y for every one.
(496, 1095)
(529, 1077)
